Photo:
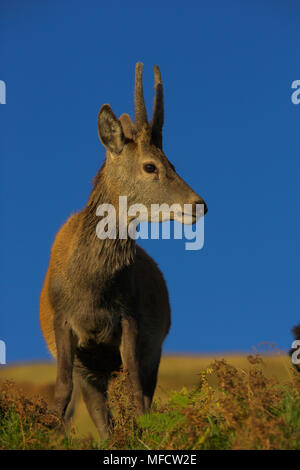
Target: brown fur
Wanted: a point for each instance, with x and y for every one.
(104, 303)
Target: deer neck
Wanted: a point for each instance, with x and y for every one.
(108, 256)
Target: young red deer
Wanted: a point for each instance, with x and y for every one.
(104, 303)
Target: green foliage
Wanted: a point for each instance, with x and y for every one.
(230, 408)
(28, 424)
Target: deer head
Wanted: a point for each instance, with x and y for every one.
(136, 165)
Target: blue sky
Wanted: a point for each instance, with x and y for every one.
(231, 131)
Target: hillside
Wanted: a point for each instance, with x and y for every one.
(176, 373)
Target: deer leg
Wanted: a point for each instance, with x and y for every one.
(94, 393)
(149, 384)
(130, 360)
(149, 378)
(65, 356)
(74, 399)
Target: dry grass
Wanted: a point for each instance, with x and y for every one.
(176, 373)
(230, 407)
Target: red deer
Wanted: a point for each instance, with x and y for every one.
(104, 303)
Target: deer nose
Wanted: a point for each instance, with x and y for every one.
(201, 201)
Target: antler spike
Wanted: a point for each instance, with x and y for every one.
(157, 75)
(140, 108)
(158, 109)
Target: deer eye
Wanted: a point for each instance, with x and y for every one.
(150, 168)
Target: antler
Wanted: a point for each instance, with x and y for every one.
(140, 108)
(140, 119)
(158, 109)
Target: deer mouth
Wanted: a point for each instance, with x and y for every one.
(192, 216)
(186, 218)
(188, 214)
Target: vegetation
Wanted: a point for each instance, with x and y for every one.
(229, 408)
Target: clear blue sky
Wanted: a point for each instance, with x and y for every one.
(231, 131)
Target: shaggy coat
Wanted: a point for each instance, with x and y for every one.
(104, 303)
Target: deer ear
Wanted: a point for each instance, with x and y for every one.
(127, 126)
(110, 130)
